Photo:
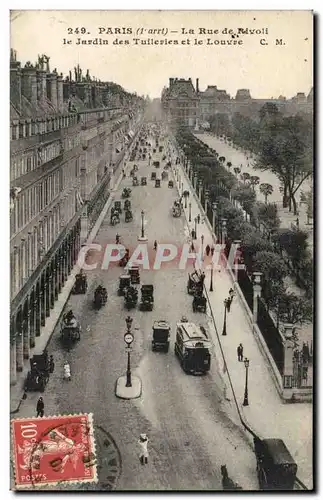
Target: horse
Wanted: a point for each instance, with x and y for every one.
(227, 483)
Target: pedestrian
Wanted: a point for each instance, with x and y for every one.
(155, 245)
(231, 294)
(117, 239)
(212, 250)
(240, 352)
(51, 364)
(198, 218)
(143, 449)
(40, 407)
(207, 250)
(202, 278)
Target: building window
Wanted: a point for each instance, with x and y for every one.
(29, 164)
(21, 130)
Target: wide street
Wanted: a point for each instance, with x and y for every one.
(188, 421)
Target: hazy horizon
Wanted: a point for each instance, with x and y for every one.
(267, 72)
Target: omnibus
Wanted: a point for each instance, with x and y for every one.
(192, 347)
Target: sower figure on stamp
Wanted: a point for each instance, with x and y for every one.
(40, 407)
(143, 449)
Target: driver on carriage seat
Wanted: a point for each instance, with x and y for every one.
(69, 316)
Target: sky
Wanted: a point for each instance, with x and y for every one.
(256, 62)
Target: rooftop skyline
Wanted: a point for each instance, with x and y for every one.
(267, 71)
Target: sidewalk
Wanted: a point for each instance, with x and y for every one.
(16, 391)
(266, 414)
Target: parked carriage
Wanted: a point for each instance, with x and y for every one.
(134, 275)
(199, 303)
(117, 206)
(276, 468)
(135, 181)
(126, 193)
(153, 176)
(157, 183)
(195, 283)
(100, 297)
(127, 205)
(38, 374)
(170, 184)
(147, 298)
(128, 216)
(124, 283)
(80, 285)
(164, 175)
(70, 331)
(131, 297)
(115, 218)
(156, 164)
(144, 181)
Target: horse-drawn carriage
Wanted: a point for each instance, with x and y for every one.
(144, 181)
(177, 209)
(124, 283)
(70, 329)
(126, 193)
(115, 218)
(135, 181)
(161, 149)
(170, 184)
(199, 303)
(127, 205)
(157, 183)
(164, 175)
(100, 297)
(80, 285)
(38, 374)
(156, 164)
(128, 216)
(147, 298)
(131, 297)
(153, 176)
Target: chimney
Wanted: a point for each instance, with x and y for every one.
(197, 86)
(29, 83)
(41, 86)
(52, 88)
(15, 81)
(60, 104)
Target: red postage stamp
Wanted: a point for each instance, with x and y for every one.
(52, 451)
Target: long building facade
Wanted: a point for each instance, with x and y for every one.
(68, 139)
(185, 105)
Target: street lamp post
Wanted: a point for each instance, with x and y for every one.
(211, 280)
(214, 207)
(190, 212)
(224, 330)
(142, 224)
(195, 220)
(128, 338)
(245, 400)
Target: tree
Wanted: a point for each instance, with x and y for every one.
(220, 124)
(267, 215)
(266, 189)
(285, 148)
(295, 243)
(294, 309)
(222, 159)
(245, 177)
(269, 111)
(237, 170)
(274, 270)
(254, 181)
(245, 196)
(253, 242)
(229, 164)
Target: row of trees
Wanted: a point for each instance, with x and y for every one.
(283, 145)
(264, 246)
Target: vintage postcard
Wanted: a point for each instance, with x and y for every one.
(161, 250)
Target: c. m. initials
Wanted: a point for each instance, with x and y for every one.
(280, 41)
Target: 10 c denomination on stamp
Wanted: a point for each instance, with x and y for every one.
(53, 451)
